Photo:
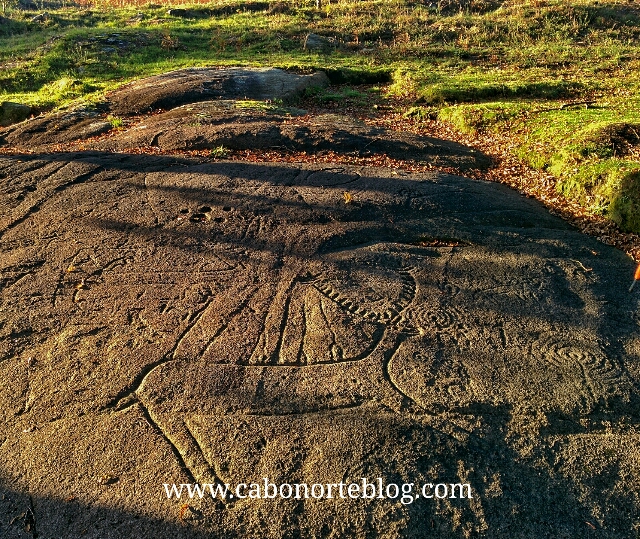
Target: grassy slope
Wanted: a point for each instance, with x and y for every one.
(482, 65)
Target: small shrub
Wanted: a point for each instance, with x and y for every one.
(219, 152)
(115, 122)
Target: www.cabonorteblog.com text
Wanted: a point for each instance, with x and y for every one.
(364, 489)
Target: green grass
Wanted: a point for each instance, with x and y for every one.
(115, 122)
(590, 151)
(479, 64)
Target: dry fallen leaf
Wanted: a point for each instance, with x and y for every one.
(107, 480)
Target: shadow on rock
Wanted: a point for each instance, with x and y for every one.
(510, 493)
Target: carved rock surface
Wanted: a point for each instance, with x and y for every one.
(170, 320)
